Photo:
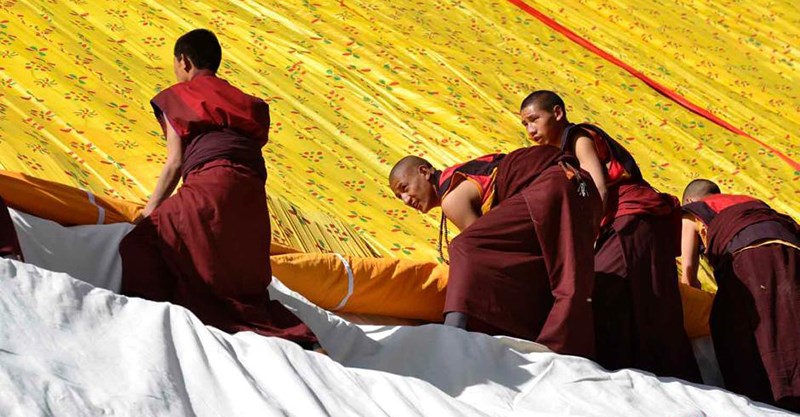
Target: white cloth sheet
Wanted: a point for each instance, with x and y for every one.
(89, 253)
(68, 348)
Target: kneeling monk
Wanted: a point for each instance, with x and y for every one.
(755, 319)
(637, 301)
(207, 247)
(522, 265)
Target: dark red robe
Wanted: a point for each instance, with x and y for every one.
(638, 311)
(525, 269)
(207, 247)
(755, 319)
(9, 244)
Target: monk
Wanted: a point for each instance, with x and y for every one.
(755, 318)
(9, 244)
(638, 312)
(522, 264)
(207, 247)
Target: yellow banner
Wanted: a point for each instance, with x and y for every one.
(355, 85)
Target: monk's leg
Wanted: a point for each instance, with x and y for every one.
(566, 223)
(219, 243)
(497, 275)
(144, 272)
(733, 322)
(661, 344)
(769, 277)
(611, 302)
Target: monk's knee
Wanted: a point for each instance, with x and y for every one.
(144, 272)
(127, 245)
(144, 235)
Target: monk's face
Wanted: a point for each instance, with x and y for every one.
(544, 126)
(413, 186)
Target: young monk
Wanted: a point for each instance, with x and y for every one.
(9, 244)
(207, 247)
(755, 319)
(522, 264)
(638, 313)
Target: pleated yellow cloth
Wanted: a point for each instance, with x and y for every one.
(355, 85)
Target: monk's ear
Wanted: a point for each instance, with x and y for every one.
(186, 63)
(424, 171)
(558, 112)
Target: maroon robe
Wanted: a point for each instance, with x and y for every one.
(9, 244)
(207, 247)
(638, 310)
(755, 319)
(525, 269)
(637, 303)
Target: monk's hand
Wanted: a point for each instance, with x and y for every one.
(146, 212)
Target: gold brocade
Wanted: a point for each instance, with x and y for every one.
(353, 86)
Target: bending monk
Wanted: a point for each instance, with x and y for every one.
(522, 264)
(638, 312)
(207, 247)
(755, 319)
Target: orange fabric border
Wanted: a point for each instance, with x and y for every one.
(61, 203)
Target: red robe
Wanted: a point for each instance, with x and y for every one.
(480, 171)
(638, 312)
(525, 268)
(755, 319)
(207, 247)
(9, 244)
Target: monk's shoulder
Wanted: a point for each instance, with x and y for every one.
(572, 134)
(582, 130)
(464, 193)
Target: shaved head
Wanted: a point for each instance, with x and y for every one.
(698, 189)
(408, 162)
(412, 180)
(544, 100)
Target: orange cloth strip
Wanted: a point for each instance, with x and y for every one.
(61, 203)
(408, 289)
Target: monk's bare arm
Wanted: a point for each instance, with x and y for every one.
(462, 205)
(690, 252)
(170, 173)
(587, 156)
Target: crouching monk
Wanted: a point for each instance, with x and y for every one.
(523, 263)
(638, 312)
(207, 247)
(755, 319)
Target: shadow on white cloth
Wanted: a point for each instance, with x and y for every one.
(68, 348)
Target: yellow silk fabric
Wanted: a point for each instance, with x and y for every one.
(355, 85)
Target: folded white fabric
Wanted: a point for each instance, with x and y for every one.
(68, 348)
(89, 253)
